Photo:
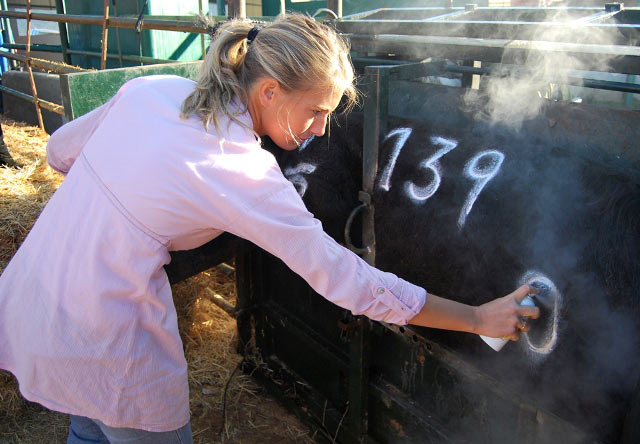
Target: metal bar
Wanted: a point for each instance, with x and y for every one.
(44, 64)
(566, 80)
(53, 48)
(467, 78)
(28, 63)
(624, 34)
(226, 268)
(53, 107)
(221, 302)
(359, 368)
(369, 61)
(64, 37)
(376, 109)
(375, 122)
(398, 73)
(6, 29)
(40, 48)
(138, 59)
(415, 70)
(601, 84)
(623, 59)
(628, 98)
(502, 44)
(105, 35)
(114, 22)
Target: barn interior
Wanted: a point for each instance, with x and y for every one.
(495, 144)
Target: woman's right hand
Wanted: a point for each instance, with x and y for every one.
(505, 317)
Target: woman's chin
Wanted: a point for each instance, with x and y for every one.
(289, 145)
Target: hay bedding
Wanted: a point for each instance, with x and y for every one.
(208, 333)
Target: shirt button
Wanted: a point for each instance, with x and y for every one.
(380, 290)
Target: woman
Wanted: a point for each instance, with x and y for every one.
(87, 323)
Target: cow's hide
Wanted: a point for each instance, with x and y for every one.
(471, 214)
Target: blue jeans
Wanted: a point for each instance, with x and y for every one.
(84, 431)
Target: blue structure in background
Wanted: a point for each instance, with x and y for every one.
(4, 62)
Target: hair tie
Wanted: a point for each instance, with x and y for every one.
(253, 33)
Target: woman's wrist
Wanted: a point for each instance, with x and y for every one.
(449, 315)
(476, 320)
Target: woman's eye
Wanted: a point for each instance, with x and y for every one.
(316, 112)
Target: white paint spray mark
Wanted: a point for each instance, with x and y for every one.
(403, 134)
(420, 194)
(548, 299)
(481, 175)
(295, 176)
(305, 143)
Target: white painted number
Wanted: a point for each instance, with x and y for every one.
(420, 194)
(550, 299)
(295, 176)
(481, 169)
(305, 143)
(481, 174)
(403, 134)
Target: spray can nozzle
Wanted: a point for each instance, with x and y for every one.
(498, 343)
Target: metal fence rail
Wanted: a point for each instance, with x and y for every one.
(236, 8)
(377, 37)
(105, 21)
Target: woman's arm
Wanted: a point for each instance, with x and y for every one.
(66, 143)
(501, 317)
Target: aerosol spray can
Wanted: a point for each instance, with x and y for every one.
(498, 343)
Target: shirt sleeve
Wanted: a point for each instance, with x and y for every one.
(283, 226)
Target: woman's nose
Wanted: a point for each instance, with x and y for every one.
(318, 126)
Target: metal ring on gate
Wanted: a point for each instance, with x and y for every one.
(347, 231)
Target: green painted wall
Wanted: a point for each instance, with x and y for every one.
(149, 43)
(85, 91)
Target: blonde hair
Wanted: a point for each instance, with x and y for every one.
(294, 49)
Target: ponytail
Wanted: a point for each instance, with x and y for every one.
(294, 49)
(220, 80)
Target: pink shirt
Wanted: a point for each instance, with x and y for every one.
(87, 322)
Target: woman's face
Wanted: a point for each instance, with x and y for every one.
(292, 117)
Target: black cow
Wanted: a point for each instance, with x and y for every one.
(472, 213)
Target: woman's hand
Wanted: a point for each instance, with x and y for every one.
(505, 317)
(500, 318)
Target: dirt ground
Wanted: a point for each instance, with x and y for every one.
(208, 333)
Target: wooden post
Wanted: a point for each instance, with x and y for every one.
(28, 63)
(105, 34)
(202, 46)
(335, 6)
(115, 12)
(237, 8)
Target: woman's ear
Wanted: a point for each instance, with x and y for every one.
(268, 89)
